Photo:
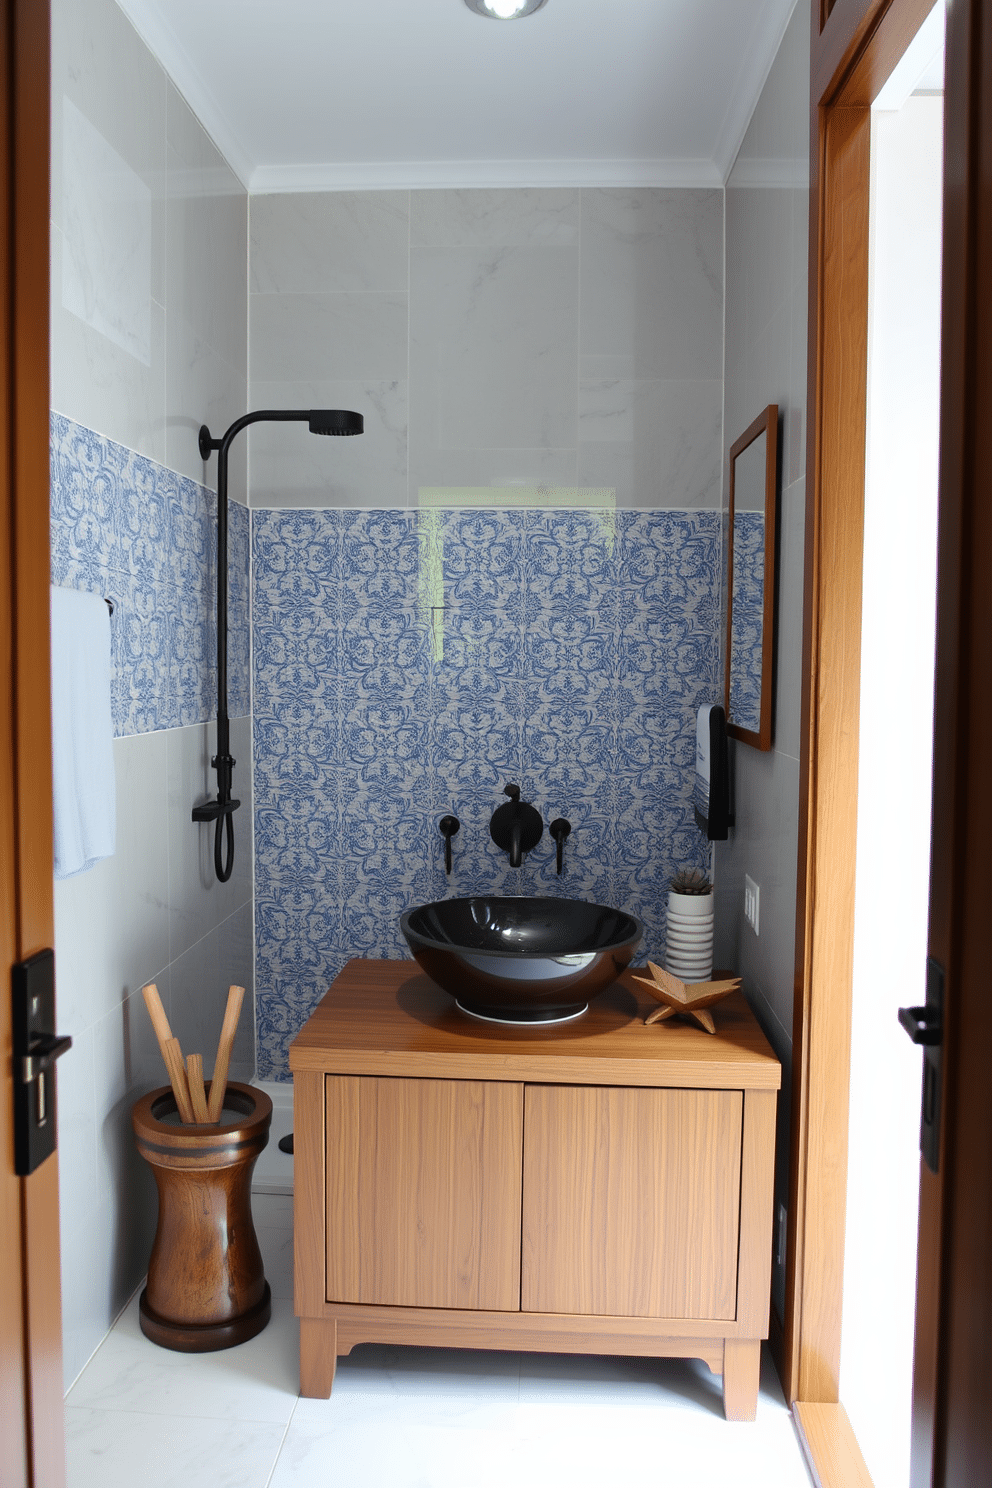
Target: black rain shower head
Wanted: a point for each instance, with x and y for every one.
(321, 421)
(336, 421)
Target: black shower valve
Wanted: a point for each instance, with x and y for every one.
(448, 826)
(559, 830)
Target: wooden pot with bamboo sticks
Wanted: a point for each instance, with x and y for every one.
(206, 1287)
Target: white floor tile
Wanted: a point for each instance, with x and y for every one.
(413, 1418)
(257, 1381)
(276, 1246)
(122, 1449)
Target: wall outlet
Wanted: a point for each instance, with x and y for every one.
(752, 900)
(781, 1235)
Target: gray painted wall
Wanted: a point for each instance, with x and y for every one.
(766, 316)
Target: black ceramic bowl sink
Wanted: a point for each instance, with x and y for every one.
(521, 960)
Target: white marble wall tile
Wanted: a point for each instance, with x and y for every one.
(504, 469)
(493, 336)
(202, 388)
(97, 383)
(329, 242)
(206, 237)
(311, 337)
(494, 218)
(108, 365)
(236, 966)
(291, 467)
(100, 64)
(125, 898)
(656, 443)
(652, 283)
(107, 238)
(197, 902)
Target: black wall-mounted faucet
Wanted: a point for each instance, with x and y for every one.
(516, 827)
(560, 829)
(448, 826)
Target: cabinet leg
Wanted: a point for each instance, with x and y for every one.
(741, 1374)
(318, 1357)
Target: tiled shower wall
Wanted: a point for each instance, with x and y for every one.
(569, 653)
(513, 575)
(149, 340)
(146, 538)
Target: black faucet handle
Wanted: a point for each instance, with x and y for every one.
(448, 826)
(560, 829)
(513, 791)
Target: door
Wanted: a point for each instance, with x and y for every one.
(423, 1192)
(856, 45)
(632, 1201)
(31, 1419)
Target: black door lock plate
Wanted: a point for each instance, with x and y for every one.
(36, 1048)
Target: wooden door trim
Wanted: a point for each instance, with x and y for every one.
(830, 1446)
(25, 771)
(860, 42)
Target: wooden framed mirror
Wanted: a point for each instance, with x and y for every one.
(751, 528)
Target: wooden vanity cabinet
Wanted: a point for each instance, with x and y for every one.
(601, 1187)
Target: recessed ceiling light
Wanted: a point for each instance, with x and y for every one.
(504, 10)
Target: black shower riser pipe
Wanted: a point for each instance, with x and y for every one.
(340, 421)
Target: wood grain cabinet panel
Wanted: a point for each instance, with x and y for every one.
(423, 1192)
(631, 1201)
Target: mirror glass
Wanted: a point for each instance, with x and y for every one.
(752, 547)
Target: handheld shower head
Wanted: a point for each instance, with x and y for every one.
(336, 421)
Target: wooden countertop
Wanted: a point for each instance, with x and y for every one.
(388, 1018)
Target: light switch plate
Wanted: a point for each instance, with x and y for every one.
(752, 901)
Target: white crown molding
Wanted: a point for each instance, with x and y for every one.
(755, 68)
(165, 47)
(785, 174)
(466, 175)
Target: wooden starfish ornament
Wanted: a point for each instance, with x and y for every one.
(678, 997)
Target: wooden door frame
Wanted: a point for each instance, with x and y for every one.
(32, 1433)
(854, 46)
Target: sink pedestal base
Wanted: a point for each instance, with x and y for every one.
(522, 1017)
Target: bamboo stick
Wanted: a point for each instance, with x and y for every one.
(218, 1084)
(194, 1074)
(156, 1012)
(173, 1056)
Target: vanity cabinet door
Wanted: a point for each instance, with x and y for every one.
(631, 1201)
(423, 1192)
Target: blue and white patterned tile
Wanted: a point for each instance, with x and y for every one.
(141, 690)
(572, 559)
(482, 557)
(147, 496)
(384, 653)
(284, 1002)
(380, 561)
(86, 473)
(128, 528)
(748, 618)
(192, 649)
(296, 655)
(297, 559)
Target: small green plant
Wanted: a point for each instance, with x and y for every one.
(691, 881)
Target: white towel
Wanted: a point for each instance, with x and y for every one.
(83, 792)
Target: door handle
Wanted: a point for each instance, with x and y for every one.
(923, 1024)
(43, 1054)
(36, 1048)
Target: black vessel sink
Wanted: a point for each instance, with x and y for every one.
(521, 960)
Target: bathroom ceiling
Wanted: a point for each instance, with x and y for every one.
(324, 94)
